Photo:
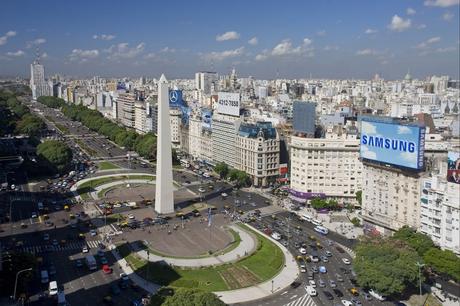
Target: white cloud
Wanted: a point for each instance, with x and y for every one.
(421, 26)
(399, 24)
(370, 31)
(122, 50)
(330, 48)
(168, 50)
(404, 130)
(36, 42)
(253, 41)
(286, 47)
(150, 55)
(16, 54)
(368, 154)
(231, 35)
(366, 52)
(220, 56)
(447, 16)
(368, 128)
(83, 55)
(428, 42)
(441, 3)
(44, 55)
(321, 33)
(261, 57)
(104, 36)
(445, 50)
(4, 38)
(410, 11)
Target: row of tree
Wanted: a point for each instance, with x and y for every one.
(240, 178)
(318, 203)
(144, 145)
(55, 155)
(389, 265)
(186, 297)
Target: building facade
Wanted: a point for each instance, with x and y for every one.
(126, 109)
(38, 85)
(224, 131)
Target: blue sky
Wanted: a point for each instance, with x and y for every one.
(265, 39)
(390, 131)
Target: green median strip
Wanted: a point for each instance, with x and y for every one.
(105, 165)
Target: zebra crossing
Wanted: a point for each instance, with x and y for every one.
(304, 300)
(56, 248)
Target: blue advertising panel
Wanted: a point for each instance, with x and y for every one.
(185, 115)
(175, 98)
(121, 86)
(206, 118)
(391, 143)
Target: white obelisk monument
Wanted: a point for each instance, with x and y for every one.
(164, 200)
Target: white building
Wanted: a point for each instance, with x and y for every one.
(440, 212)
(224, 130)
(38, 85)
(328, 165)
(206, 82)
(140, 116)
(175, 119)
(125, 109)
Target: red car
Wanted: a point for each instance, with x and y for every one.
(106, 269)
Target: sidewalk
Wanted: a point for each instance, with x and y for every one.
(246, 247)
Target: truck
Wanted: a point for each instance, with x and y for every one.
(91, 262)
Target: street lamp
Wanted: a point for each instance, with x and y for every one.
(420, 265)
(272, 284)
(16, 281)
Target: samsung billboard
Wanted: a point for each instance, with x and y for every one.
(228, 103)
(395, 144)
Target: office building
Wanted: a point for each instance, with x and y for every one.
(303, 118)
(224, 131)
(206, 82)
(38, 85)
(126, 109)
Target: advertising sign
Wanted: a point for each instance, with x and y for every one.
(391, 143)
(175, 98)
(453, 167)
(206, 118)
(228, 103)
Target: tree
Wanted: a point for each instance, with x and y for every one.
(30, 125)
(222, 169)
(356, 222)
(192, 297)
(418, 241)
(386, 265)
(443, 262)
(318, 203)
(359, 195)
(56, 154)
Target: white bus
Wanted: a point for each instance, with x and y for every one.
(321, 229)
(306, 217)
(317, 222)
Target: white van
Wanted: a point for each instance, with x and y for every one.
(377, 295)
(310, 290)
(44, 277)
(276, 236)
(306, 217)
(53, 288)
(317, 222)
(321, 229)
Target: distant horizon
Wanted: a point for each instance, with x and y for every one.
(334, 39)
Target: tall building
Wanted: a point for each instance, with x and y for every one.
(206, 81)
(38, 85)
(224, 131)
(258, 152)
(304, 116)
(140, 116)
(328, 166)
(126, 109)
(175, 118)
(164, 196)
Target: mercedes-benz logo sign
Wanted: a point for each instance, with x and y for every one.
(173, 96)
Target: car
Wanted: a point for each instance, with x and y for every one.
(344, 271)
(85, 249)
(367, 296)
(115, 289)
(294, 285)
(312, 283)
(339, 278)
(78, 263)
(337, 292)
(104, 261)
(324, 259)
(314, 269)
(332, 283)
(340, 249)
(346, 261)
(303, 269)
(106, 269)
(46, 237)
(34, 214)
(124, 277)
(347, 303)
(93, 232)
(55, 242)
(187, 182)
(296, 245)
(321, 283)
(131, 216)
(310, 290)
(354, 291)
(322, 269)
(328, 254)
(201, 189)
(328, 295)
(303, 251)
(356, 302)
(52, 269)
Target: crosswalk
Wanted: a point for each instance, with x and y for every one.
(56, 248)
(304, 300)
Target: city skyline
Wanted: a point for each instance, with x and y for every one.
(299, 41)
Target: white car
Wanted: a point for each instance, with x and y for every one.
(201, 189)
(34, 215)
(303, 251)
(312, 283)
(310, 290)
(46, 237)
(131, 216)
(347, 303)
(346, 261)
(124, 277)
(93, 233)
(276, 236)
(85, 249)
(303, 269)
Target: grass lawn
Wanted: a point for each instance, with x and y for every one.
(262, 265)
(105, 165)
(84, 189)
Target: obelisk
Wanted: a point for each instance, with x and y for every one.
(164, 201)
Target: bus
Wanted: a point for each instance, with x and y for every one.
(321, 229)
(184, 163)
(306, 217)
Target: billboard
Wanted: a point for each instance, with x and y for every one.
(206, 118)
(453, 167)
(175, 98)
(391, 143)
(228, 103)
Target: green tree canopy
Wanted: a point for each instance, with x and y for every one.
(240, 178)
(318, 203)
(192, 297)
(443, 262)
(222, 169)
(386, 265)
(30, 125)
(418, 241)
(359, 195)
(56, 154)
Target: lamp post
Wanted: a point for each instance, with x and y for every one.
(16, 281)
(272, 284)
(420, 265)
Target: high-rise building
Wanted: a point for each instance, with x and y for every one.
(38, 85)
(304, 116)
(224, 130)
(205, 81)
(126, 109)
